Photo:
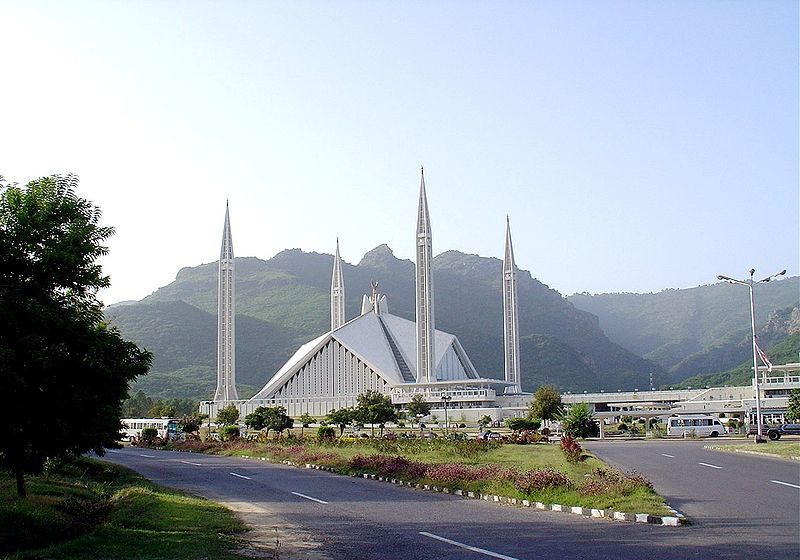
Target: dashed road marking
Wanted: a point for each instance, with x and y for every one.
(310, 498)
(667, 455)
(190, 463)
(148, 456)
(709, 465)
(785, 483)
(468, 547)
(241, 476)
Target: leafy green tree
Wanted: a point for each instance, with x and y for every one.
(484, 420)
(373, 408)
(546, 404)
(342, 418)
(137, 406)
(579, 422)
(228, 415)
(56, 352)
(161, 409)
(418, 407)
(190, 423)
(793, 414)
(305, 419)
(269, 418)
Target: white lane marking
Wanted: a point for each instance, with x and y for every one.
(113, 451)
(785, 483)
(148, 456)
(707, 465)
(309, 498)
(190, 463)
(241, 476)
(670, 456)
(468, 547)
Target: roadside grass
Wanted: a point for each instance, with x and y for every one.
(521, 458)
(89, 509)
(785, 449)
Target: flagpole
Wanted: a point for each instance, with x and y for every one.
(759, 434)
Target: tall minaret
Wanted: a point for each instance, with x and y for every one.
(510, 315)
(337, 291)
(426, 354)
(226, 334)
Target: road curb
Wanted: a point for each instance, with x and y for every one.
(675, 520)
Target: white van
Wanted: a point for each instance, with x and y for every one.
(701, 425)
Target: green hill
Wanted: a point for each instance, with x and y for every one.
(697, 330)
(284, 302)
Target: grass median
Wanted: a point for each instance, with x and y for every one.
(88, 509)
(534, 472)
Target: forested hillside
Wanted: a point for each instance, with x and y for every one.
(283, 302)
(697, 330)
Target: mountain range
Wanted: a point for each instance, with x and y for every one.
(583, 342)
(284, 301)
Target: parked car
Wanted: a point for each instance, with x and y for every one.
(783, 430)
(775, 432)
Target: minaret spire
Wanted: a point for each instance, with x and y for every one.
(426, 352)
(226, 335)
(337, 291)
(510, 315)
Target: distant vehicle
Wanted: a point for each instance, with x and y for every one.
(132, 427)
(775, 432)
(701, 425)
(490, 435)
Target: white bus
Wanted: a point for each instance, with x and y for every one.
(132, 427)
(700, 425)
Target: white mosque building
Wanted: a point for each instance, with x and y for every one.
(382, 352)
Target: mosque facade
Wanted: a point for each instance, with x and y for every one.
(383, 352)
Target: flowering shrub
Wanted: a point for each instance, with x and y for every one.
(539, 479)
(572, 449)
(387, 465)
(612, 481)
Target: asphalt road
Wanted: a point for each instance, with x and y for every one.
(351, 518)
(755, 497)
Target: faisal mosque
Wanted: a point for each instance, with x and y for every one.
(377, 350)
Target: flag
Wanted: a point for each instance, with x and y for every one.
(763, 357)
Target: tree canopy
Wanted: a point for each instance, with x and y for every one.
(269, 418)
(228, 415)
(418, 406)
(373, 408)
(341, 417)
(57, 355)
(546, 404)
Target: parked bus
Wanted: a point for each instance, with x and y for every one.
(700, 425)
(132, 427)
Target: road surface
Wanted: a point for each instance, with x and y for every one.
(343, 517)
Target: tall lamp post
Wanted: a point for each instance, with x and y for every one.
(749, 283)
(446, 399)
(208, 405)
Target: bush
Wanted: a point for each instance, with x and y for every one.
(579, 422)
(229, 433)
(148, 436)
(326, 433)
(612, 481)
(573, 452)
(539, 479)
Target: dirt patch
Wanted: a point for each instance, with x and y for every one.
(269, 536)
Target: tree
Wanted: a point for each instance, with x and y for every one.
(418, 407)
(579, 422)
(56, 352)
(269, 418)
(373, 408)
(305, 419)
(484, 421)
(190, 423)
(342, 418)
(228, 415)
(546, 404)
(137, 406)
(793, 414)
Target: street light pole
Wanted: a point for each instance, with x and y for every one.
(759, 438)
(445, 400)
(208, 405)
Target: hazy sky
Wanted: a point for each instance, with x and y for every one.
(635, 145)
